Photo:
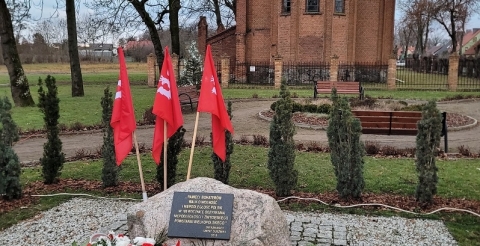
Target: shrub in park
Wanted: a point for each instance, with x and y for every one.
(347, 151)
(222, 169)
(110, 169)
(174, 147)
(10, 187)
(192, 74)
(281, 155)
(428, 140)
(53, 157)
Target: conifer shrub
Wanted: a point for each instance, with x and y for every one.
(281, 155)
(53, 157)
(110, 169)
(10, 187)
(222, 169)
(174, 147)
(347, 150)
(428, 140)
(192, 74)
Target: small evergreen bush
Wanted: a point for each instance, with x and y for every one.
(281, 155)
(192, 74)
(222, 169)
(347, 150)
(10, 187)
(428, 140)
(174, 147)
(110, 169)
(53, 157)
(324, 108)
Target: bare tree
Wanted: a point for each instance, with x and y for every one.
(405, 35)
(223, 11)
(76, 72)
(20, 88)
(453, 15)
(419, 13)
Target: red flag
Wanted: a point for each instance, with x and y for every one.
(211, 101)
(123, 116)
(178, 243)
(166, 107)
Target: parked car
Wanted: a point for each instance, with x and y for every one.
(400, 63)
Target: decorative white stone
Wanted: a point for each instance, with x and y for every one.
(257, 220)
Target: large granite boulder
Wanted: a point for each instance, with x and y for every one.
(257, 220)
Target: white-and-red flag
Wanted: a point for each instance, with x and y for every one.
(166, 107)
(123, 116)
(211, 101)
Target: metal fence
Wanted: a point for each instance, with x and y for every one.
(305, 74)
(423, 74)
(253, 73)
(469, 74)
(370, 75)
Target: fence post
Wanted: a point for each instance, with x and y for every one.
(151, 59)
(278, 71)
(391, 73)
(453, 72)
(225, 68)
(175, 66)
(334, 68)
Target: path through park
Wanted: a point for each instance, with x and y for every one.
(247, 123)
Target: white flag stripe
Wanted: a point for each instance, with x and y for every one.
(119, 83)
(118, 94)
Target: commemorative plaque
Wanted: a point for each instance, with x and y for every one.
(201, 215)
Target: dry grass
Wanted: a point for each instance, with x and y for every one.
(87, 67)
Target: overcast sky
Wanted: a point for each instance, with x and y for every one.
(51, 10)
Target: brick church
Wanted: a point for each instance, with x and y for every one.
(305, 31)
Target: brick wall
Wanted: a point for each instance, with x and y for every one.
(223, 44)
(363, 34)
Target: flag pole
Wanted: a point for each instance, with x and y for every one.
(165, 155)
(144, 193)
(193, 146)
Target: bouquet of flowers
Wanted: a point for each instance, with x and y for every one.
(111, 239)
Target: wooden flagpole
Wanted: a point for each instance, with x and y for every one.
(165, 155)
(144, 193)
(193, 146)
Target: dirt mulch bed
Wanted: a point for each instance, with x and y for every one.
(70, 185)
(453, 119)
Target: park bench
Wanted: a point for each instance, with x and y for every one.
(394, 123)
(342, 87)
(188, 95)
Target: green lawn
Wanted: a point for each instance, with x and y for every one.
(87, 110)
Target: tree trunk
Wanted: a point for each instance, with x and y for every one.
(174, 8)
(18, 81)
(75, 70)
(218, 15)
(157, 44)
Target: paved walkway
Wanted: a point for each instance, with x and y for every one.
(246, 123)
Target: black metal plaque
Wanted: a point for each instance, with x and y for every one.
(201, 215)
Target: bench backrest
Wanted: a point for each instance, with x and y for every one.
(388, 122)
(339, 85)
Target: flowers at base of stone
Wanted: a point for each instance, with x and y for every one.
(111, 239)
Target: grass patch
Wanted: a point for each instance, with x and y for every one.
(457, 178)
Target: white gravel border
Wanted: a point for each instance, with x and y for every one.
(78, 218)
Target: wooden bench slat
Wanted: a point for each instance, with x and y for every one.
(413, 114)
(407, 132)
(387, 119)
(387, 125)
